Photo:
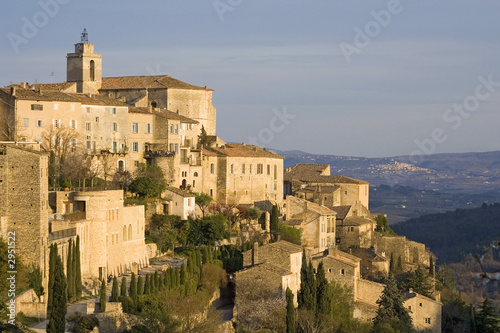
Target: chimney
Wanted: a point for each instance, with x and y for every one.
(255, 253)
(206, 87)
(410, 290)
(13, 91)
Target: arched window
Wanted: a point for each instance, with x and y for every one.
(92, 70)
(195, 174)
(130, 232)
(124, 233)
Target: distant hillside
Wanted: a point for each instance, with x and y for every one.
(405, 202)
(451, 235)
(455, 173)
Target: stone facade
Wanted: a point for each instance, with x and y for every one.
(179, 202)
(424, 312)
(23, 204)
(316, 222)
(355, 232)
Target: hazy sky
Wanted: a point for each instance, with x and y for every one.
(358, 78)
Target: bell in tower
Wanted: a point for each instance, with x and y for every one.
(85, 67)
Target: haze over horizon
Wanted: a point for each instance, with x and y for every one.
(366, 79)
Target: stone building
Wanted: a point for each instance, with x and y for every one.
(426, 313)
(355, 232)
(316, 222)
(243, 174)
(111, 234)
(179, 202)
(313, 182)
(24, 202)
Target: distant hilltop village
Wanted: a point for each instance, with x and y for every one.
(122, 123)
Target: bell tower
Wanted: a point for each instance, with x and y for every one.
(85, 67)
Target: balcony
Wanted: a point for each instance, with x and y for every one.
(158, 153)
(62, 234)
(75, 216)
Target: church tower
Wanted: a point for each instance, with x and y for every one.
(85, 67)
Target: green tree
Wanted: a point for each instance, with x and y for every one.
(206, 231)
(274, 222)
(149, 181)
(431, 266)
(391, 310)
(114, 290)
(487, 320)
(102, 296)
(57, 317)
(147, 285)
(183, 274)
(52, 266)
(308, 289)
(418, 280)
(133, 288)
(203, 138)
(78, 270)
(383, 225)
(35, 281)
(202, 200)
(392, 265)
(290, 312)
(323, 300)
(69, 272)
(140, 287)
(253, 213)
(123, 287)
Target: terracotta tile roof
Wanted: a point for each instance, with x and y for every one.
(368, 254)
(180, 192)
(235, 150)
(320, 189)
(63, 86)
(357, 221)
(341, 211)
(163, 113)
(312, 173)
(35, 95)
(322, 210)
(285, 246)
(98, 100)
(143, 82)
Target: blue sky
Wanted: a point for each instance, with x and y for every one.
(264, 58)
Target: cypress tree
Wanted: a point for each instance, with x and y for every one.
(177, 276)
(391, 309)
(147, 287)
(392, 265)
(323, 301)
(308, 289)
(155, 285)
(165, 279)
(57, 318)
(400, 264)
(52, 265)
(123, 287)
(69, 272)
(133, 288)
(303, 278)
(431, 266)
(140, 287)
(78, 270)
(183, 275)
(114, 290)
(290, 312)
(102, 296)
(274, 220)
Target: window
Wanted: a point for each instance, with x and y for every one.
(174, 128)
(409, 307)
(136, 164)
(260, 168)
(154, 104)
(420, 304)
(135, 128)
(96, 119)
(250, 168)
(174, 147)
(275, 172)
(39, 123)
(428, 320)
(212, 192)
(147, 128)
(195, 174)
(56, 123)
(37, 107)
(87, 109)
(72, 124)
(26, 122)
(135, 147)
(329, 270)
(212, 168)
(232, 168)
(342, 272)
(243, 168)
(115, 146)
(112, 110)
(88, 126)
(322, 227)
(92, 70)
(189, 126)
(268, 169)
(88, 144)
(345, 192)
(114, 127)
(194, 183)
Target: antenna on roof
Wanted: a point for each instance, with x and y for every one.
(85, 36)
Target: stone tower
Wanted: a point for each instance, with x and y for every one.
(85, 67)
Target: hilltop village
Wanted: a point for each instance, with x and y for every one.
(70, 151)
